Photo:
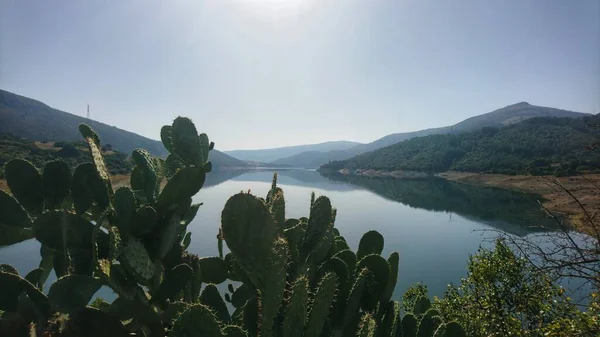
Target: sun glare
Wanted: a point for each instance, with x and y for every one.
(276, 9)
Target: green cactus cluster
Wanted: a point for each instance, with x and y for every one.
(293, 277)
(300, 277)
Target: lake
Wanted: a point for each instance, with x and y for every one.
(434, 224)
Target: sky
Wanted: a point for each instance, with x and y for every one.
(269, 73)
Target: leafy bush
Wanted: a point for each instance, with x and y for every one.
(504, 295)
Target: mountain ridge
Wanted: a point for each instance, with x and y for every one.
(272, 154)
(507, 115)
(538, 146)
(34, 120)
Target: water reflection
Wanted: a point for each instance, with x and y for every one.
(292, 177)
(510, 211)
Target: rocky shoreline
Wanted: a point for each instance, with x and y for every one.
(383, 173)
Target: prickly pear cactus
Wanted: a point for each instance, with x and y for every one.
(296, 277)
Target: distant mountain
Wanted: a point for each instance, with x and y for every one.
(541, 145)
(501, 117)
(34, 120)
(309, 159)
(271, 155)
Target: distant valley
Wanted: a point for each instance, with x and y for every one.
(275, 154)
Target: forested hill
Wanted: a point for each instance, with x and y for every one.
(34, 120)
(542, 145)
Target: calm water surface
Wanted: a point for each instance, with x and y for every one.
(434, 224)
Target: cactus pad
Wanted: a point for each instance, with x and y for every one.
(271, 283)
(339, 268)
(56, 183)
(196, 321)
(241, 295)
(429, 324)
(211, 298)
(370, 243)
(249, 231)
(83, 195)
(454, 329)
(73, 291)
(409, 326)
(25, 183)
(125, 207)
(393, 262)
(295, 313)
(318, 222)
(349, 258)
(144, 221)
(391, 321)
(322, 301)
(183, 185)
(185, 141)
(234, 331)
(58, 230)
(13, 214)
(93, 322)
(136, 260)
(174, 282)
(150, 173)
(93, 142)
(422, 305)
(376, 282)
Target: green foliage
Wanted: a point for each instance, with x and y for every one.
(537, 146)
(504, 295)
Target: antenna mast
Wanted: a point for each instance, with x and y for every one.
(88, 112)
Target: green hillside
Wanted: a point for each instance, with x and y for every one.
(538, 146)
(498, 118)
(72, 153)
(34, 120)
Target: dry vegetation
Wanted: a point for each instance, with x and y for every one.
(584, 188)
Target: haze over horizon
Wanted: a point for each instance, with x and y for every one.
(267, 73)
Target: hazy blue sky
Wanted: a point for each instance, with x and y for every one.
(267, 73)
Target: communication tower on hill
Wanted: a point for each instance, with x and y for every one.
(88, 112)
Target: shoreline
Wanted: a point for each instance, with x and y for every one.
(586, 188)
